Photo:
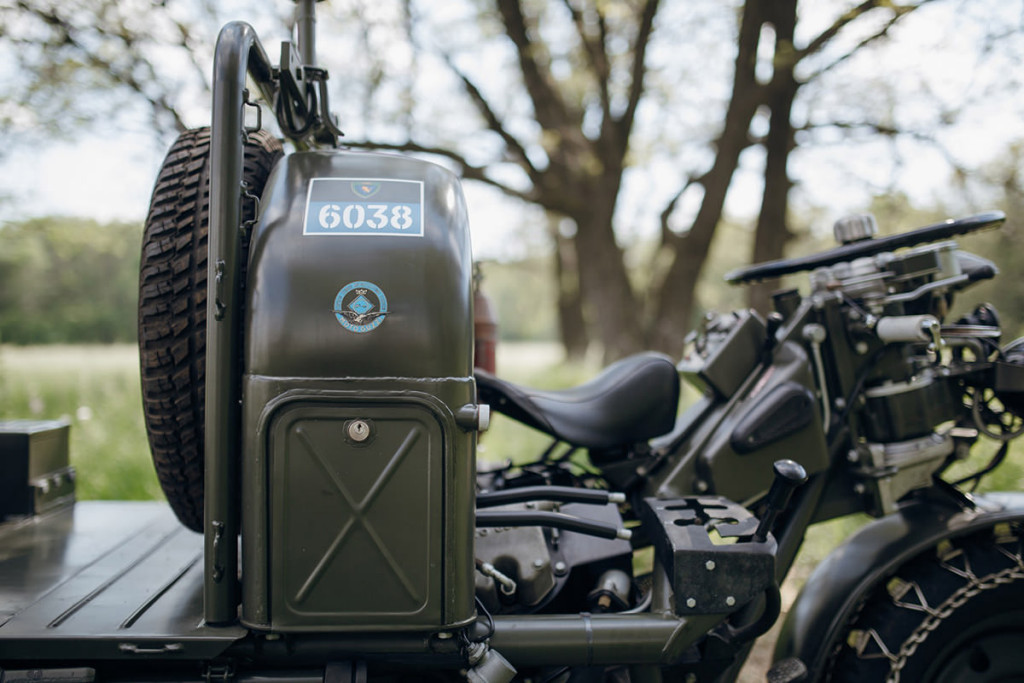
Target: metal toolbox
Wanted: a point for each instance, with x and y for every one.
(34, 472)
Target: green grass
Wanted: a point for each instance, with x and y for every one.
(95, 388)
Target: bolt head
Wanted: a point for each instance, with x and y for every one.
(691, 603)
(730, 601)
(561, 568)
(710, 565)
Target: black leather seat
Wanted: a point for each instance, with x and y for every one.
(632, 400)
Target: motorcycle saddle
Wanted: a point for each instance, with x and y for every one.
(632, 400)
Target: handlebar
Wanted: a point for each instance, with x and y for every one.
(868, 247)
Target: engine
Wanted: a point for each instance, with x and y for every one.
(926, 390)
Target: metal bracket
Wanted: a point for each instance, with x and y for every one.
(302, 107)
(291, 77)
(218, 672)
(246, 102)
(247, 225)
(710, 576)
(218, 542)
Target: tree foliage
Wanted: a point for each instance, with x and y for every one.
(68, 280)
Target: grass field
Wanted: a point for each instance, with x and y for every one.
(96, 388)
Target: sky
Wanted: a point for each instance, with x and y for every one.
(108, 174)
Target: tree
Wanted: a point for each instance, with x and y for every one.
(68, 280)
(87, 62)
(574, 158)
(571, 98)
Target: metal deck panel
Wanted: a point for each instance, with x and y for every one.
(105, 580)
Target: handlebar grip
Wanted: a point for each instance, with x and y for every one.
(906, 328)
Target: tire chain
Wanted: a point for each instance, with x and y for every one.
(937, 615)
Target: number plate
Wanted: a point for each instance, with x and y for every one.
(364, 206)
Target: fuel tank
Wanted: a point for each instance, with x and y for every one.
(359, 401)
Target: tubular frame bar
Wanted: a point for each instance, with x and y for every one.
(305, 25)
(238, 53)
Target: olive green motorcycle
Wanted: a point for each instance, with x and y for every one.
(306, 340)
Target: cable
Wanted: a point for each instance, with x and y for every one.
(995, 462)
(490, 621)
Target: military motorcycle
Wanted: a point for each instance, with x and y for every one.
(306, 336)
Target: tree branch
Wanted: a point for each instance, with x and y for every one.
(494, 123)
(466, 169)
(899, 11)
(667, 236)
(596, 52)
(639, 70)
(838, 25)
(548, 105)
(892, 132)
(66, 35)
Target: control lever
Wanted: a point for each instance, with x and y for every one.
(788, 476)
(772, 324)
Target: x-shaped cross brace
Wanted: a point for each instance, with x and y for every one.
(359, 510)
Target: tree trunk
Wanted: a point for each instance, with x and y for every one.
(675, 296)
(607, 293)
(572, 326)
(772, 229)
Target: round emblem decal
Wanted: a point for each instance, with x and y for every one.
(360, 306)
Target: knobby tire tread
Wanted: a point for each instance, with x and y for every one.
(172, 309)
(895, 618)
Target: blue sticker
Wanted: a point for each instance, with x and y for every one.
(360, 306)
(368, 206)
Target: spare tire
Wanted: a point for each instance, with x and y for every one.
(172, 309)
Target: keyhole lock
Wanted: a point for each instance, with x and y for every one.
(358, 430)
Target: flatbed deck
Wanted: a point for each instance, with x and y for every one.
(104, 580)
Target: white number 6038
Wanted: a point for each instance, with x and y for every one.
(354, 216)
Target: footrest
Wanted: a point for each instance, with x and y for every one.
(706, 546)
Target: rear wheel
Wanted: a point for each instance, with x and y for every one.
(172, 309)
(953, 615)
